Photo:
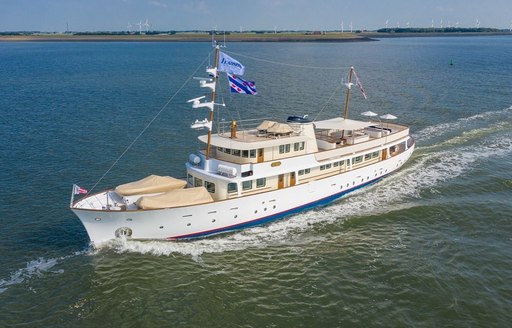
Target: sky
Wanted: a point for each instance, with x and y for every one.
(242, 15)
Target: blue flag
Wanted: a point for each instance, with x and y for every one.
(239, 85)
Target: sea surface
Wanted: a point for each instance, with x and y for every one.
(429, 246)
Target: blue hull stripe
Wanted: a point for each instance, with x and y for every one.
(276, 216)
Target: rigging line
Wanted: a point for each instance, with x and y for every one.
(285, 64)
(328, 100)
(147, 126)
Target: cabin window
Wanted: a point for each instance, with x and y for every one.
(322, 167)
(252, 153)
(245, 153)
(220, 149)
(328, 166)
(227, 150)
(261, 182)
(336, 164)
(210, 186)
(358, 159)
(247, 185)
(301, 172)
(307, 171)
(232, 187)
(190, 180)
(284, 149)
(298, 146)
(375, 154)
(198, 182)
(236, 152)
(367, 157)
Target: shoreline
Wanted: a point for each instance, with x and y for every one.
(199, 37)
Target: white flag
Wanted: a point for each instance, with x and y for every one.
(230, 65)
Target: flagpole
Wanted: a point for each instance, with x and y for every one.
(72, 197)
(208, 145)
(349, 85)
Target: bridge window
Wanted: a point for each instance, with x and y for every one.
(247, 185)
(232, 187)
(261, 182)
(198, 182)
(210, 186)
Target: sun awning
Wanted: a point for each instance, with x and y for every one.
(340, 123)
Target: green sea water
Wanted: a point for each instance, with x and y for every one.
(429, 246)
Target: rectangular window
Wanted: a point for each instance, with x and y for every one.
(232, 187)
(367, 157)
(220, 149)
(245, 153)
(198, 182)
(328, 166)
(287, 148)
(227, 150)
(301, 172)
(190, 180)
(358, 159)
(252, 153)
(210, 187)
(375, 154)
(247, 185)
(336, 164)
(236, 152)
(281, 149)
(322, 167)
(307, 171)
(261, 182)
(342, 163)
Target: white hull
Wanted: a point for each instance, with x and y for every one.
(231, 214)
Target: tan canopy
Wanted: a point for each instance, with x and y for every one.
(175, 198)
(265, 125)
(149, 185)
(280, 128)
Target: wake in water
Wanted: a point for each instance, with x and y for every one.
(36, 268)
(431, 166)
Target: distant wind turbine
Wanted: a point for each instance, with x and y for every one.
(146, 24)
(341, 26)
(129, 27)
(477, 23)
(140, 26)
(387, 22)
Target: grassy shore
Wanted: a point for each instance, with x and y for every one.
(234, 37)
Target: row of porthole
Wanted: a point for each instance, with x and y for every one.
(362, 180)
(235, 216)
(189, 224)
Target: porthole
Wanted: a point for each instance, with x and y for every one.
(129, 219)
(274, 207)
(213, 220)
(256, 211)
(189, 224)
(161, 227)
(236, 215)
(97, 219)
(265, 209)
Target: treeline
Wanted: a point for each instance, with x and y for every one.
(437, 30)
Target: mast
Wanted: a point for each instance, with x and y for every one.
(349, 86)
(216, 64)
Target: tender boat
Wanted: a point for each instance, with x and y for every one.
(249, 173)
